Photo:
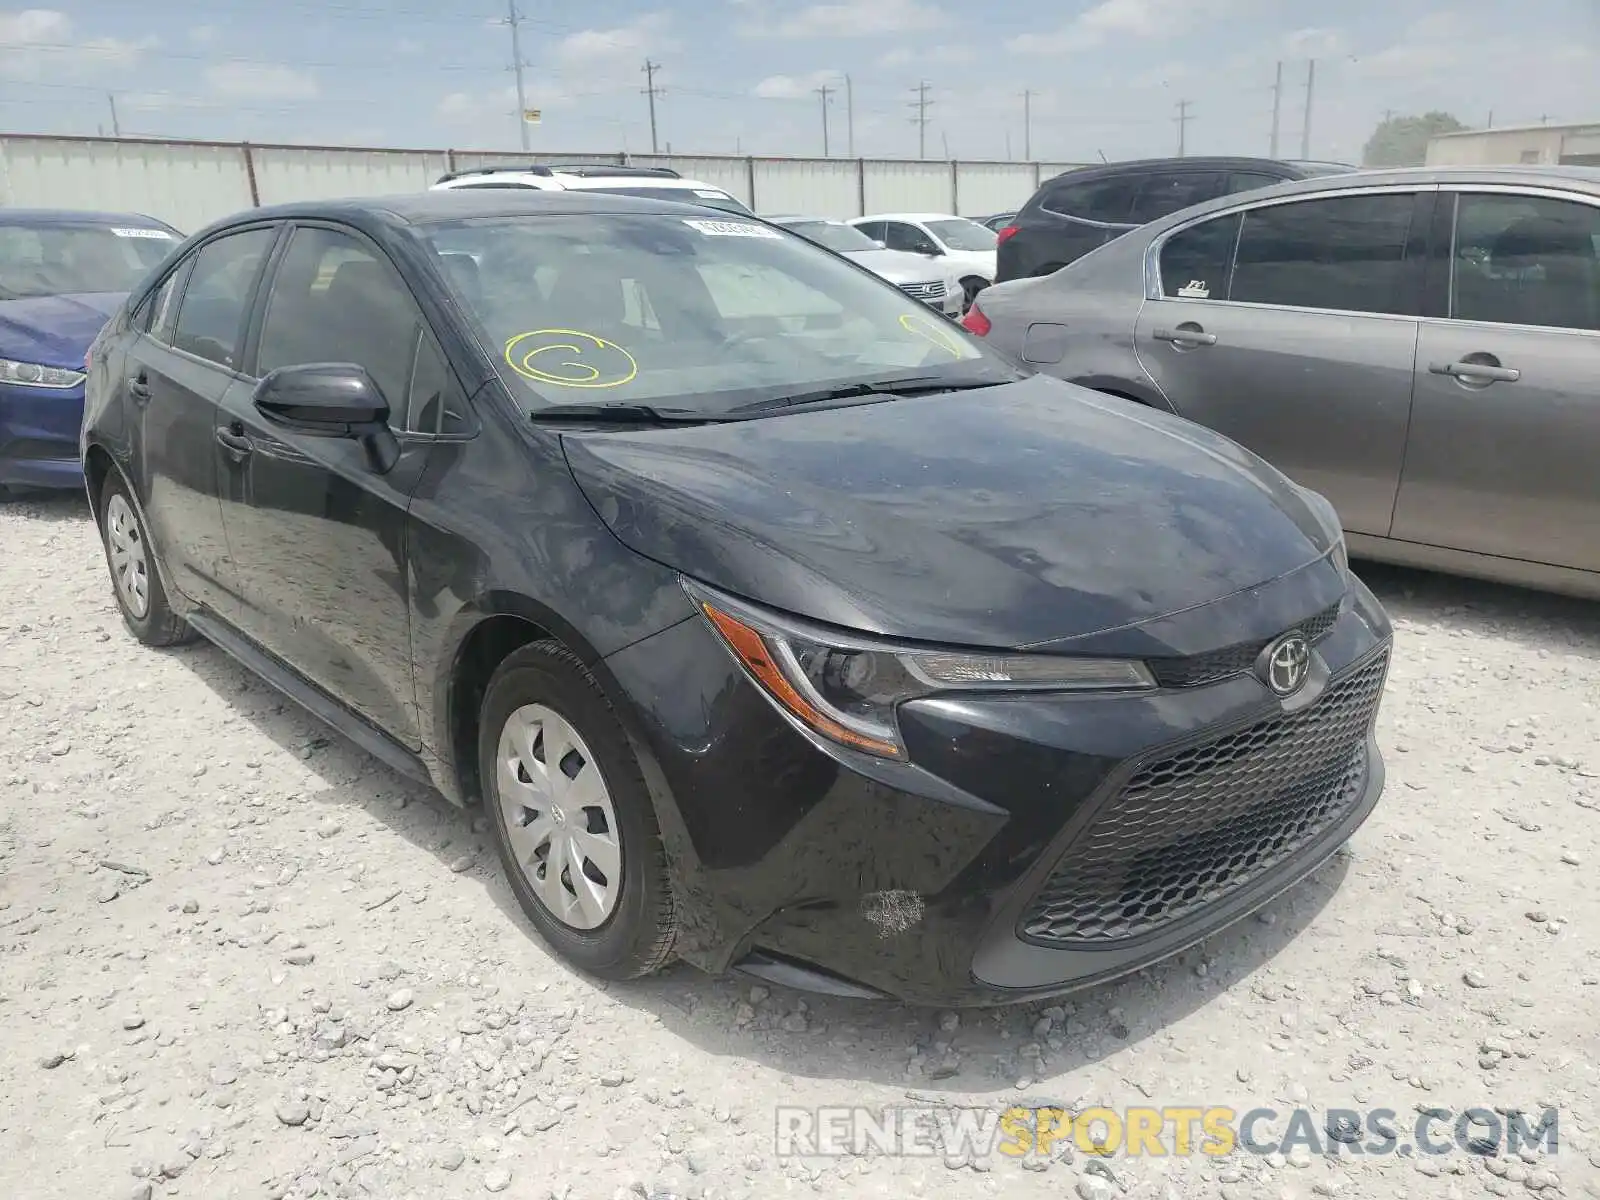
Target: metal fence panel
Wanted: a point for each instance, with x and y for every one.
(814, 187)
(191, 183)
(984, 188)
(284, 174)
(184, 184)
(908, 187)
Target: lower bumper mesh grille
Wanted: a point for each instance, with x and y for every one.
(1191, 828)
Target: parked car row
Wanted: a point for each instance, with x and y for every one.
(784, 625)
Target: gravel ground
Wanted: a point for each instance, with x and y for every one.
(238, 957)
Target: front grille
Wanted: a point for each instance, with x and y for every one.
(924, 291)
(1191, 828)
(1233, 660)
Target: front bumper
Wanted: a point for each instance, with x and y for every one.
(39, 436)
(926, 880)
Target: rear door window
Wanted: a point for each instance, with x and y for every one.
(1345, 253)
(1196, 262)
(1165, 193)
(1108, 200)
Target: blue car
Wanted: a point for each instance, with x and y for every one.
(62, 274)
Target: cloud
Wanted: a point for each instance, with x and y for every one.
(1314, 43)
(260, 81)
(795, 87)
(904, 56)
(1120, 19)
(204, 35)
(855, 19)
(39, 41)
(630, 42)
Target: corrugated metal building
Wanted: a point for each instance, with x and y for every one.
(1577, 145)
(189, 183)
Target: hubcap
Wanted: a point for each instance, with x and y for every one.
(559, 817)
(129, 567)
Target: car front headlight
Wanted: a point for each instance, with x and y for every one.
(846, 687)
(26, 374)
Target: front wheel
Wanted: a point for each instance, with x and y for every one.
(572, 817)
(969, 291)
(134, 579)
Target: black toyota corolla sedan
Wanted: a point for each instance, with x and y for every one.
(778, 623)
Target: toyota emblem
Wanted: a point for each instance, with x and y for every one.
(1286, 664)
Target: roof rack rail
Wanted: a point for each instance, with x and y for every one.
(583, 170)
(497, 169)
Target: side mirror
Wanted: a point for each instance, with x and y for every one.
(335, 400)
(931, 250)
(880, 245)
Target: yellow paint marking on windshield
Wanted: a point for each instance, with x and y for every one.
(616, 368)
(928, 330)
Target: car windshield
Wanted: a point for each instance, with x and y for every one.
(704, 197)
(699, 315)
(961, 234)
(51, 259)
(835, 235)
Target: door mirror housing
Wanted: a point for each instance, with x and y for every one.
(931, 249)
(335, 400)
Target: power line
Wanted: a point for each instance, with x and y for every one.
(825, 91)
(513, 20)
(1183, 118)
(921, 119)
(650, 89)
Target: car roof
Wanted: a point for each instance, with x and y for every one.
(73, 216)
(450, 204)
(910, 216)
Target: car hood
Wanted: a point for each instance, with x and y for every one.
(1003, 517)
(54, 331)
(897, 266)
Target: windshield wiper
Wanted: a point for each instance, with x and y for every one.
(906, 385)
(621, 414)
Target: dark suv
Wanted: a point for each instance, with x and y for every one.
(1075, 212)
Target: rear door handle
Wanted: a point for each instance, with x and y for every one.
(1473, 372)
(235, 443)
(1185, 337)
(139, 387)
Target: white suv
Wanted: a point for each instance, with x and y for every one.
(653, 183)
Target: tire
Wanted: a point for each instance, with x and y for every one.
(969, 291)
(135, 580)
(625, 928)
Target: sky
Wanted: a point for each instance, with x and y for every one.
(1106, 77)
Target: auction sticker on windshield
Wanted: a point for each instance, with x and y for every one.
(159, 234)
(732, 229)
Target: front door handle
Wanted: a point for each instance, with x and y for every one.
(139, 387)
(1476, 372)
(234, 442)
(1187, 334)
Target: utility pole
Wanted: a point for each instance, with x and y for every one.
(1027, 127)
(921, 119)
(825, 91)
(650, 69)
(1183, 118)
(1277, 108)
(514, 20)
(849, 118)
(116, 126)
(1305, 130)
